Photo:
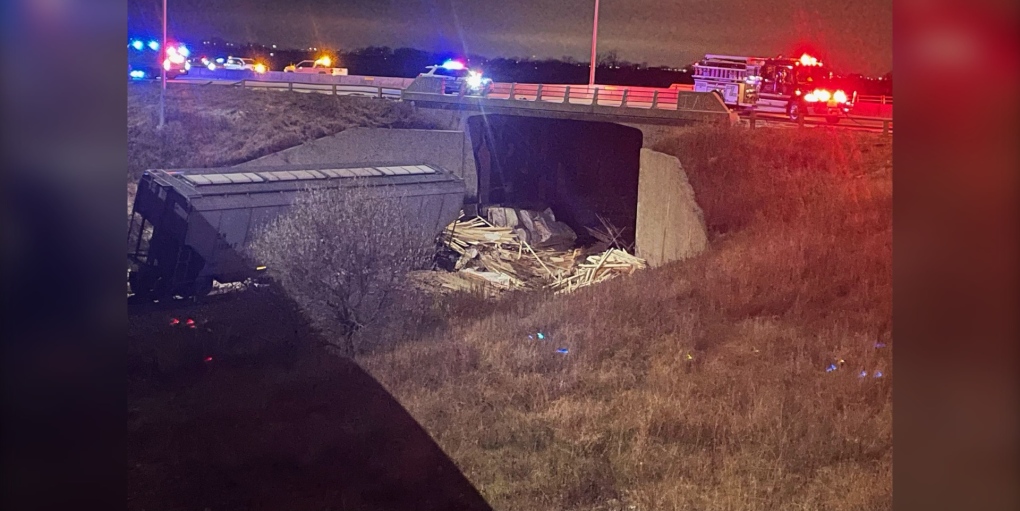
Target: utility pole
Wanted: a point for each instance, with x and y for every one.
(162, 73)
(594, 37)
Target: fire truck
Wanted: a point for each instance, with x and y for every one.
(794, 86)
(735, 79)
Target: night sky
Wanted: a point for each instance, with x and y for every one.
(851, 36)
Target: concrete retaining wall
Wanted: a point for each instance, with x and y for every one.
(445, 148)
(670, 224)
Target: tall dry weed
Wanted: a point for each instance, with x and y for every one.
(699, 385)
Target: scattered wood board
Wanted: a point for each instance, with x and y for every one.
(497, 257)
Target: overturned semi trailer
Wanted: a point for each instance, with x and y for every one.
(189, 226)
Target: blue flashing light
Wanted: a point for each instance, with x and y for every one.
(183, 50)
(831, 368)
(219, 60)
(137, 74)
(136, 44)
(879, 345)
(863, 374)
(453, 65)
(563, 351)
(541, 335)
(153, 45)
(878, 374)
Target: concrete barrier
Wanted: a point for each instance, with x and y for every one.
(670, 224)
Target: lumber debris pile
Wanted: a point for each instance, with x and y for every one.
(599, 268)
(501, 257)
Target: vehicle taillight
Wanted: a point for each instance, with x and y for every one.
(839, 96)
(822, 95)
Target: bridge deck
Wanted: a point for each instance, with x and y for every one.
(671, 106)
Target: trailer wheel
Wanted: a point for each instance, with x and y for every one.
(832, 119)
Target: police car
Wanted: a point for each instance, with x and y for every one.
(144, 59)
(460, 79)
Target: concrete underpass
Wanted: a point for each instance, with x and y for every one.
(580, 169)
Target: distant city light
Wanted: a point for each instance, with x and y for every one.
(153, 45)
(274, 46)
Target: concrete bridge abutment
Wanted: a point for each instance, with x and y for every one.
(664, 220)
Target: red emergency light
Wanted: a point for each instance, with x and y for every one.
(808, 60)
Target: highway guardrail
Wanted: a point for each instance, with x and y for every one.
(882, 100)
(320, 88)
(883, 123)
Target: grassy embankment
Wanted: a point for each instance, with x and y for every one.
(798, 275)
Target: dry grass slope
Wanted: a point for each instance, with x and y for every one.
(217, 125)
(798, 276)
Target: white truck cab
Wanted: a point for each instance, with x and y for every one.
(322, 66)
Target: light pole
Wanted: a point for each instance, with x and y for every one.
(162, 72)
(594, 37)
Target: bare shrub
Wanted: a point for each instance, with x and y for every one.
(342, 254)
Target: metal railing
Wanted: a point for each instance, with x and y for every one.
(885, 124)
(598, 95)
(320, 88)
(882, 100)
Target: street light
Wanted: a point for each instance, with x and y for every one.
(594, 36)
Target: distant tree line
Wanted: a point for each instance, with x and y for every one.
(409, 62)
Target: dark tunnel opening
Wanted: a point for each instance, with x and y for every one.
(579, 169)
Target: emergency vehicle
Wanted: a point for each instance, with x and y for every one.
(458, 78)
(144, 59)
(320, 66)
(794, 86)
(734, 78)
